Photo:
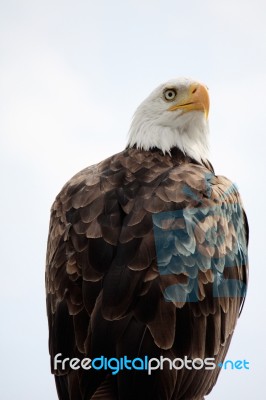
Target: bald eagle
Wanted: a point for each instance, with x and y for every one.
(146, 269)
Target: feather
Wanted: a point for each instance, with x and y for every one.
(141, 251)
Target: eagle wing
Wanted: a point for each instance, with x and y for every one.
(147, 256)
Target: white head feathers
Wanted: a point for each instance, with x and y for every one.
(173, 115)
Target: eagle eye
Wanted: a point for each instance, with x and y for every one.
(170, 94)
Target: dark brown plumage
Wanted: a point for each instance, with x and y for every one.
(106, 286)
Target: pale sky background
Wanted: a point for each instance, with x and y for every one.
(71, 75)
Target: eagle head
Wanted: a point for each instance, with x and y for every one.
(175, 114)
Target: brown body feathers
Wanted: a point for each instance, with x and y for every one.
(111, 289)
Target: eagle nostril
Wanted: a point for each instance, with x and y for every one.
(194, 90)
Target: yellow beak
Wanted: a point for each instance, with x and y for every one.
(197, 99)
